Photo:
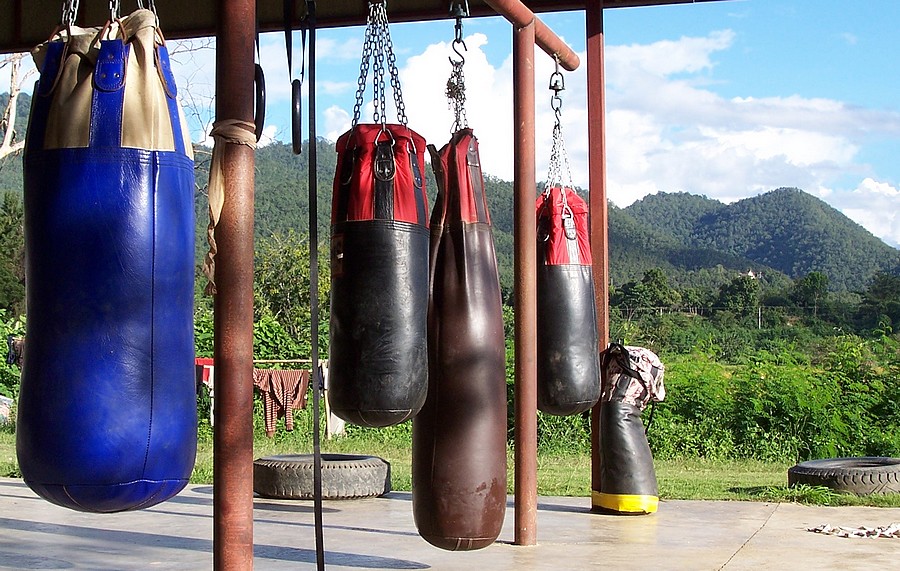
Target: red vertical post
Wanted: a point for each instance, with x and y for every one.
(596, 109)
(525, 288)
(233, 330)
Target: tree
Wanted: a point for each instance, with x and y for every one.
(741, 295)
(811, 289)
(659, 293)
(281, 288)
(881, 302)
(13, 141)
(12, 254)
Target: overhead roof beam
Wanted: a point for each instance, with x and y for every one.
(521, 16)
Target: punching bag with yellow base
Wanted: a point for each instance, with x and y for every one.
(631, 378)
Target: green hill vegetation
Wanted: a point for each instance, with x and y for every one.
(785, 229)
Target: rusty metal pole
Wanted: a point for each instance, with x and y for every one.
(233, 330)
(596, 109)
(520, 16)
(525, 288)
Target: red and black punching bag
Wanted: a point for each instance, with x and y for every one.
(107, 416)
(459, 437)
(568, 369)
(378, 363)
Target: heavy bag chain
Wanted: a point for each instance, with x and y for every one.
(456, 85)
(378, 48)
(70, 10)
(559, 158)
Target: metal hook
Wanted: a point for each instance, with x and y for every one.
(557, 81)
(462, 58)
(458, 41)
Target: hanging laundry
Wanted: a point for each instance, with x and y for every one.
(205, 369)
(283, 391)
(15, 354)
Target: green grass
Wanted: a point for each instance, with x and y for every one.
(559, 473)
(9, 466)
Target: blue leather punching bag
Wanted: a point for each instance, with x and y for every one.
(107, 411)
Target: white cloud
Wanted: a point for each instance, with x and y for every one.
(337, 121)
(849, 38)
(333, 49)
(269, 136)
(684, 55)
(667, 129)
(874, 205)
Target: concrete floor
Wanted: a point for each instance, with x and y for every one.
(380, 534)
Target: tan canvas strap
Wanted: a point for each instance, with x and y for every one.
(227, 131)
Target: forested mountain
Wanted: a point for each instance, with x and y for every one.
(697, 241)
(676, 214)
(786, 229)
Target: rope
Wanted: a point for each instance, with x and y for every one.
(227, 131)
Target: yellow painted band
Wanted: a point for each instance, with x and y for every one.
(626, 503)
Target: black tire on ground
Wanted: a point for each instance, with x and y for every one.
(344, 476)
(861, 476)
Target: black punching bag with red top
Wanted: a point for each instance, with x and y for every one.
(459, 437)
(378, 364)
(568, 368)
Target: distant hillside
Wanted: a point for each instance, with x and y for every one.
(639, 243)
(697, 241)
(786, 229)
(676, 214)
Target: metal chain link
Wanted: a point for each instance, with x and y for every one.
(69, 12)
(395, 74)
(378, 49)
(456, 85)
(363, 74)
(151, 5)
(559, 158)
(456, 96)
(378, 76)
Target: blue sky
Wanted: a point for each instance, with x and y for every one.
(726, 99)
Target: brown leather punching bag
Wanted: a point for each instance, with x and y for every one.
(459, 437)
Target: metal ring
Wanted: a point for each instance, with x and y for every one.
(259, 119)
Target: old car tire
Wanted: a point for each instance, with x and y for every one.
(344, 476)
(861, 476)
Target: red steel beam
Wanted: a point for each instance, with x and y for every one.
(521, 16)
(596, 110)
(525, 288)
(233, 330)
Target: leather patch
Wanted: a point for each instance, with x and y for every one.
(109, 75)
(384, 161)
(385, 169)
(164, 68)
